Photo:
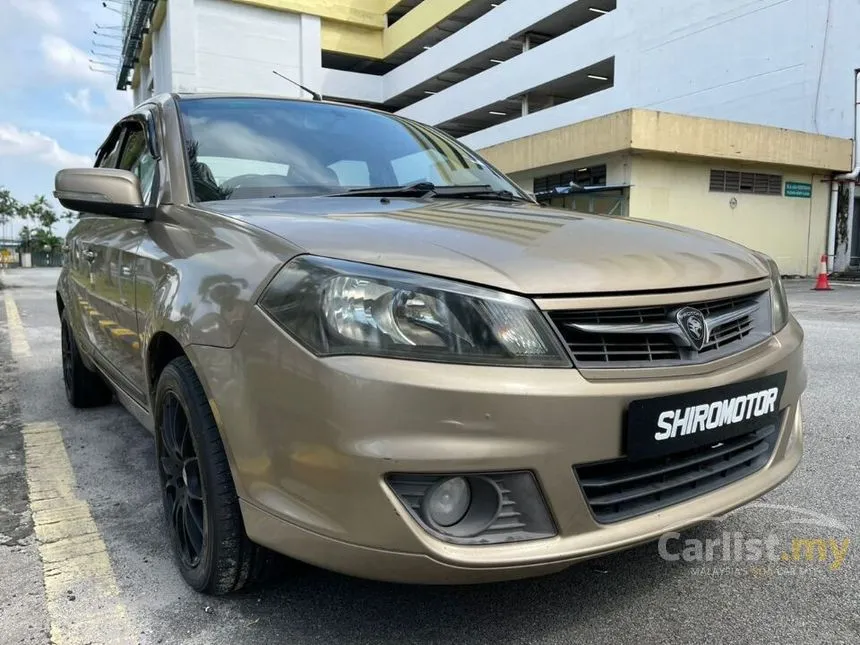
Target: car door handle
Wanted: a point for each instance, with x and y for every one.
(90, 255)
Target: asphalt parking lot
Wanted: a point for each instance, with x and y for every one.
(123, 587)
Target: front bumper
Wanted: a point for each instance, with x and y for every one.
(310, 442)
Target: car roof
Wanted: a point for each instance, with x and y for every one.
(183, 96)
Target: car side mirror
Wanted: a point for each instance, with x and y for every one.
(102, 191)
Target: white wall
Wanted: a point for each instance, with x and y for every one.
(160, 62)
(181, 34)
(756, 61)
(239, 45)
(223, 46)
(351, 85)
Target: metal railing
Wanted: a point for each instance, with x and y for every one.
(136, 16)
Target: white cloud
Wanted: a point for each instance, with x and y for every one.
(42, 10)
(99, 98)
(35, 145)
(66, 60)
(82, 100)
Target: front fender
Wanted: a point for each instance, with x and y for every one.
(199, 274)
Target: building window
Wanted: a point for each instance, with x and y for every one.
(755, 183)
(591, 176)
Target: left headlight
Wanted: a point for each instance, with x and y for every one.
(778, 298)
(335, 307)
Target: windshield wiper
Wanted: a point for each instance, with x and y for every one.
(415, 188)
(473, 192)
(425, 188)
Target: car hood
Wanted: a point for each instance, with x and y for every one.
(512, 246)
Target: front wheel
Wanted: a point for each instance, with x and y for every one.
(201, 507)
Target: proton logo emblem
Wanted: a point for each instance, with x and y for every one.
(692, 323)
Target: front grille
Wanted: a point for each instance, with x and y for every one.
(621, 337)
(620, 489)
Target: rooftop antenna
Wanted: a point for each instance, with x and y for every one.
(315, 96)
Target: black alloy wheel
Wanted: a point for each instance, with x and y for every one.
(180, 476)
(201, 506)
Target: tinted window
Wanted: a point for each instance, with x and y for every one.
(136, 158)
(240, 148)
(109, 154)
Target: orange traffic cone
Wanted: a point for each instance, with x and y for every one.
(823, 283)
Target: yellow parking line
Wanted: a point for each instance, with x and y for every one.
(122, 331)
(74, 556)
(17, 338)
(108, 323)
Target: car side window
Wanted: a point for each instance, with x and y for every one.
(110, 151)
(136, 158)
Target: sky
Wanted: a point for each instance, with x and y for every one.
(54, 109)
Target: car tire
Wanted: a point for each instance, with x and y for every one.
(84, 387)
(201, 507)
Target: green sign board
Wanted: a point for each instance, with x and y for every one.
(798, 189)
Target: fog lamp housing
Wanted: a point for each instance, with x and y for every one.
(475, 508)
(448, 501)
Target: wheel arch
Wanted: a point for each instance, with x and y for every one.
(163, 348)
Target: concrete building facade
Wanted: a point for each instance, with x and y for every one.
(500, 74)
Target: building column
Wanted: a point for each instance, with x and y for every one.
(180, 30)
(310, 60)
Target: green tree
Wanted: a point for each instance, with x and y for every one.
(26, 238)
(40, 213)
(44, 240)
(39, 210)
(9, 206)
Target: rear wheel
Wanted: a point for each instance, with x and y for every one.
(84, 387)
(201, 507)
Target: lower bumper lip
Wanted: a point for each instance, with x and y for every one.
(310, 442)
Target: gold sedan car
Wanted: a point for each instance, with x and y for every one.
(360, 345)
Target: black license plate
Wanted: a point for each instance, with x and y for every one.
(670, 424)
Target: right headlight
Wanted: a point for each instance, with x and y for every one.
(778, 298)
(335, 307)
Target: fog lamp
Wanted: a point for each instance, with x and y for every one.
(475, 508)
(448, 501)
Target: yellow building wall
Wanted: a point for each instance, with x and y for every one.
(791, 230)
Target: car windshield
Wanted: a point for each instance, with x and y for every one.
(243, 148)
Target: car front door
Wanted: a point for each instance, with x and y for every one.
(82, 248)
(113, 251)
